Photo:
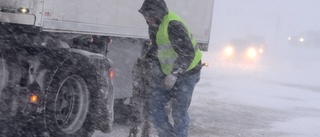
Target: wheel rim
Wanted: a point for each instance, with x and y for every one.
(71, 104)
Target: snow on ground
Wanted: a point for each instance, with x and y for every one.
(278, 96)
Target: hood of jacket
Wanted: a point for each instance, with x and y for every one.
(154, 8)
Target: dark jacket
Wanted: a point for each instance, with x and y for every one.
(178, 36)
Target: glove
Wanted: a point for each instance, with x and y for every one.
(169, 81)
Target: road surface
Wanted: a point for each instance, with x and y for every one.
(252, 101)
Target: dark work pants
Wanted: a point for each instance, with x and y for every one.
(181, 95)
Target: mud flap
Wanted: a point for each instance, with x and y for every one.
(139, 103)
(10, 74)
(103, 120)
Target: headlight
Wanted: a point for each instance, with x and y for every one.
(261, 50)
(251, 53)
(228, 51)
(301, 39)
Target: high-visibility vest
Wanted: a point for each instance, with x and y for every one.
(166, 54)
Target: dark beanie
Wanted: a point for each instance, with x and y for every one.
(154, 8)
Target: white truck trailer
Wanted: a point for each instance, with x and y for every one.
(49, 85)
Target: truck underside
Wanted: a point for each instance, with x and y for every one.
(47, 88)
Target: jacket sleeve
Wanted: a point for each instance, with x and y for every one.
(182, 45)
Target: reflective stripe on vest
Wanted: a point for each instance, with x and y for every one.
(166, 54)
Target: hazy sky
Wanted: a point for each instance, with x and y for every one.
(268, 18)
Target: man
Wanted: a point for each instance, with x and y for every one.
(179, 64)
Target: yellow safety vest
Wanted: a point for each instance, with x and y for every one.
(166, 54)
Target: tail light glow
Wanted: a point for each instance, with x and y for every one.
(111, 74)
(33, 98)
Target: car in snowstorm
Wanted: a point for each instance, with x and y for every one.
(308, 38)
(247, 50)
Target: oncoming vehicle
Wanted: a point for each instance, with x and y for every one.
(247, 50)
(306, 39)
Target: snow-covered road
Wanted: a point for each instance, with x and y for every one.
(277, 97)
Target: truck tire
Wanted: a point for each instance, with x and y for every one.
(69, 101)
